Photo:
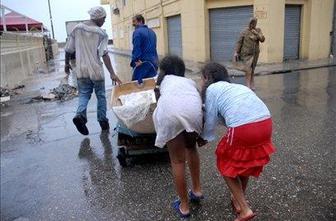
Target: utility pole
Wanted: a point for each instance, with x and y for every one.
(51, 22)
(3, 18)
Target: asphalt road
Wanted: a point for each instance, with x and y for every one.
(50, 172)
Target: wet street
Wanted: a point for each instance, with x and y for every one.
(51, 172)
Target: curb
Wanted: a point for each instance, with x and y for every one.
(283, 71)
(120, 53)
(296, 69)
(126, 54)
(237, 73)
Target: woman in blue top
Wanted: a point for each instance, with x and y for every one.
(245, 148)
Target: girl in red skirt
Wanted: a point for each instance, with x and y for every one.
(247, 144)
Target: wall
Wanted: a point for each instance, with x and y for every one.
(320, 27)
(227, 3)
(316, 25)
(21, 55)
(170, 8)
(271, 16)
(54, 47)
(122, 23)
(334, 32)
(194, 35)
(104, 2)
(212, 4)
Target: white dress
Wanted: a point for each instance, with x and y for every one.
(179, 108)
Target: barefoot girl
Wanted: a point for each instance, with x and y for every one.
(178, 122)
(245, 149)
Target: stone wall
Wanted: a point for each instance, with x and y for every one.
(21, 56)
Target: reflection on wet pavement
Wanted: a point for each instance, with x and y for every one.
(66, 176)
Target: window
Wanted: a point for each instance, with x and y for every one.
(124, 2)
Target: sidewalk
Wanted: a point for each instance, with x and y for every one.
(287, 66)
(261, 69)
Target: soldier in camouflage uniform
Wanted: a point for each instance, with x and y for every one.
(247, 51)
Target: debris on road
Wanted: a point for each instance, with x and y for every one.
(18, 87)
(63, 92)
(33, 137)
(4, 99)
(6, 93)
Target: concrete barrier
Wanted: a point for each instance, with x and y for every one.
(54, 47)
(21, 56)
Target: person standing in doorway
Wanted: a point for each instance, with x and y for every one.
(89, 41)
(247, 50)
(144, 54)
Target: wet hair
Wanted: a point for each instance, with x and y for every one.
(139, 18)
(213, 72)
(252, 20)
(171, 65)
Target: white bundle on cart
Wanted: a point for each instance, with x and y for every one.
(134, 105)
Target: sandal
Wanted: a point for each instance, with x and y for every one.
(176, 206)
(250, 217)
(194, 198)
(234, 208)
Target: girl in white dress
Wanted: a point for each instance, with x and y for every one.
(178, 122)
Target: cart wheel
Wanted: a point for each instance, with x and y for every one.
(122, 157)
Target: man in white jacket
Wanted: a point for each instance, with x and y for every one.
(89, 41)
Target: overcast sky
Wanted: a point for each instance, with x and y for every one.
(62, 11)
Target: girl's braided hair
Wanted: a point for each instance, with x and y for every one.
(213, 72)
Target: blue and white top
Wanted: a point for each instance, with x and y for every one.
(234, 103)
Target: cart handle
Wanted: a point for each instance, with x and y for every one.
(140, 82)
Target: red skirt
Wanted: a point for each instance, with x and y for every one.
(246, 149)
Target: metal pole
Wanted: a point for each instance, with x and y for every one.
(3, 18)
(333, 39)
(26, 24)
(51, 22)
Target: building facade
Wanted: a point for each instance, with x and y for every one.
(202, 30)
